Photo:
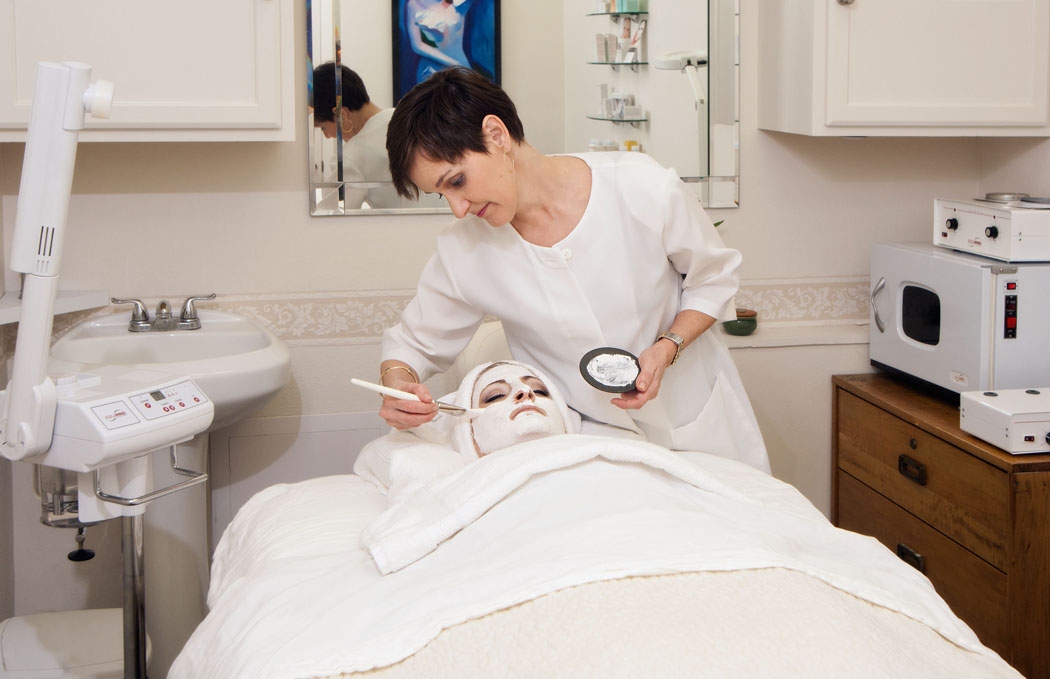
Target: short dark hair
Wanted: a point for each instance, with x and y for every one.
(354, 93)
(440, 118)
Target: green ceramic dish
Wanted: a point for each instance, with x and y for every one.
(745, 323)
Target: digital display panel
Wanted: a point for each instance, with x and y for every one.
(157, 395)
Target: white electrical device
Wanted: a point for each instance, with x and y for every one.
(1016, 231)
(1015, 420)
(87, 421)
(104, 423)
(114, 413)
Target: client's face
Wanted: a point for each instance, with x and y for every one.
(517, 407)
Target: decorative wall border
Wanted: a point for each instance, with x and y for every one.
(359, 317)
(811, 301)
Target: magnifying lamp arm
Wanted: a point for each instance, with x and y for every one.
(693, 74)
(62, 96)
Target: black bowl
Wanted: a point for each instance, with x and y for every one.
(596, 381)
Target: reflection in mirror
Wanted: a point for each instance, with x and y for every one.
(691, 106)
(349, 173)
(356, 126)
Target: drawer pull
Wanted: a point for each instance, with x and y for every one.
(912, 469)
(911, 557)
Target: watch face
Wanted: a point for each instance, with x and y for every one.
(610, 369)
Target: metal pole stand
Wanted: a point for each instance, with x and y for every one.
(134, 597)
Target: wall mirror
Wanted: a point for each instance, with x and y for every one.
(699, 140)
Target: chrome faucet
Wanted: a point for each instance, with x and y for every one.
(163, 320)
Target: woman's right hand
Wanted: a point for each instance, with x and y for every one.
(402, 413)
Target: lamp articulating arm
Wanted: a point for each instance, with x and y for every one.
(689, 62)
(63, 95)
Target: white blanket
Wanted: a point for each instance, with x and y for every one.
(414, 527)
(598, 509)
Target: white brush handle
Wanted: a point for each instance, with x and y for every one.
(385, 390)
(397, 393)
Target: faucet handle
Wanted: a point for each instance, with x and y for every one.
(139, 316)
(188, 319)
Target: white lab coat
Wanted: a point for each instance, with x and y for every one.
(365, 163)
(643, 251)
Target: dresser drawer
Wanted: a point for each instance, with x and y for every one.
(976, 591)
(961, 496)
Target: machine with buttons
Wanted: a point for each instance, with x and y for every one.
(1014, 420)
(1008, 230)
(105, 424)
(114, 413)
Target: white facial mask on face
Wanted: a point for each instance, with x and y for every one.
(516, 406)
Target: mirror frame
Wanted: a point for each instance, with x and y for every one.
(722, 76)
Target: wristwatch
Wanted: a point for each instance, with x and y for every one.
(678, 342)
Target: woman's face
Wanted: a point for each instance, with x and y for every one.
(336, 128)
(517, 408)
(480, 184)
(329, 128)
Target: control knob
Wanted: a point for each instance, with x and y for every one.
(952, 223)
(991, 231)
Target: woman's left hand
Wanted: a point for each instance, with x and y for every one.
(653, 361)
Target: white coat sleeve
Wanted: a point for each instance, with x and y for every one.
(695, 249)
(435, 326)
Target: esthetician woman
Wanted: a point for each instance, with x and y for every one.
(571, 253)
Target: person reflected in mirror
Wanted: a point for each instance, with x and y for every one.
(571, 252)
(361, 125)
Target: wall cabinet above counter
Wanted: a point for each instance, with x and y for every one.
(195, 70)
(904, 67)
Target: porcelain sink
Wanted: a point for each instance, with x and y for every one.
(236, 362)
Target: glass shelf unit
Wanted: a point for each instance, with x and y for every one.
(634, 122)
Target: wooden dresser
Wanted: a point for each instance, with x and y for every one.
(973, 518)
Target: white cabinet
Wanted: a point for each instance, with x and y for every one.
(193, 70)
(904, 67)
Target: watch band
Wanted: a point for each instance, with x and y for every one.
(678, 342)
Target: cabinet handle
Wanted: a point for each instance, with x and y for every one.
(911, 557)
(846, 2)
(911, 469)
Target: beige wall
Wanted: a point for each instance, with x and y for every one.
(152, 220)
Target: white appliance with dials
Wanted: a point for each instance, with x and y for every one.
(1011, 231)
(104, 424)
(1015, 420)
(959, 321)
(114, 413)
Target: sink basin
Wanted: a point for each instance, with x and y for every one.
(236, 362)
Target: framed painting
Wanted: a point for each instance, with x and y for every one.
(430, 35)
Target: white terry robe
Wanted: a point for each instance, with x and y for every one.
(643, 251)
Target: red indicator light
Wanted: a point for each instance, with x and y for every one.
(1011, 285)
(1011, 322)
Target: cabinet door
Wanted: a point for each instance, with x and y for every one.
(937, 62)
(206, 70)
